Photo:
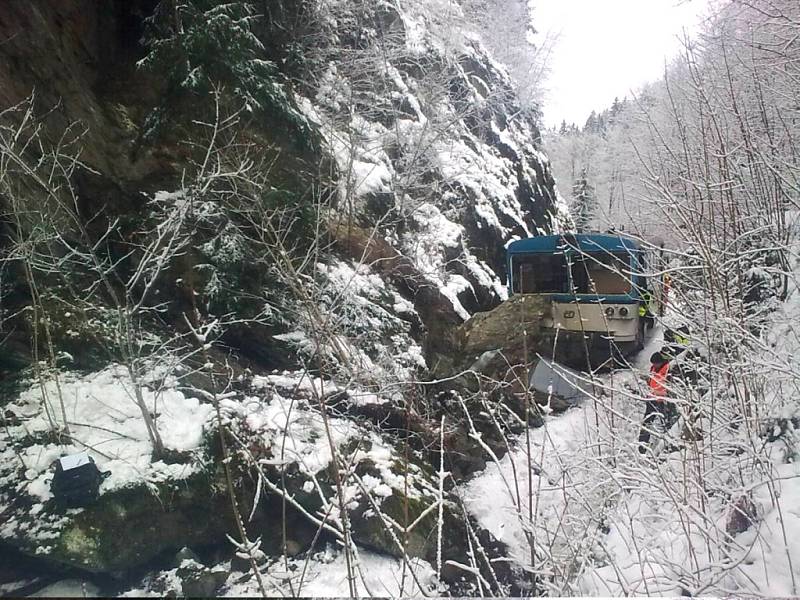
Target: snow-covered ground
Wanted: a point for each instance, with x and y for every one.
(279, 418)
(709, 517)
(323, 574)
(602, 518)
(103, 418)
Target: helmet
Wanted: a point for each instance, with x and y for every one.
(667, 352)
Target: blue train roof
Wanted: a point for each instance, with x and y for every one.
(587, 242)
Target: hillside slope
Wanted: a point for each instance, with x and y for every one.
(224, 277)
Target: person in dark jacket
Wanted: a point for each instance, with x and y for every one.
(677, 340)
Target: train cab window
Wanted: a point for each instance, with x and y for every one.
(539, 274)
(601, 273)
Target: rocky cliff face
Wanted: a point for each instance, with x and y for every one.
(437, 163)
(405, 167)
(431, 155)
(431, 144)
(77, 60)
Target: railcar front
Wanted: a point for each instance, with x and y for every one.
(595, 283)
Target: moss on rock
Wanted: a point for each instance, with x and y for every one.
(127, 527)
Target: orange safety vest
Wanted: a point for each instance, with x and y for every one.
(658, 380)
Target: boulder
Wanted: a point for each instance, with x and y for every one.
(199, 581)
(511, 346)
(514, 329)
(420, 541)
(501, 330)
(388, 488)
(124, 528)
(391, 492)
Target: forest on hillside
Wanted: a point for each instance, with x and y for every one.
(255, 288)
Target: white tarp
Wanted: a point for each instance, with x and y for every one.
(554, 379)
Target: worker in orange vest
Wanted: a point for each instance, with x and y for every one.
(657, 405)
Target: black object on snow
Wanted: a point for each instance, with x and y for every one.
(77, 480)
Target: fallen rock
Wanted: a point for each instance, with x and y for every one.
(124, 528)
(390, 494)
(199, 581)
(742, 514)
(514, 329)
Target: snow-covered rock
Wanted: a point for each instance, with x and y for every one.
(439, 158)
(436, 169)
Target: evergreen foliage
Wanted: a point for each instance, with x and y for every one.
(584, 207)
(199, 45)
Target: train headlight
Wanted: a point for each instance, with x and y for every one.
(623, 312)
(610, 311)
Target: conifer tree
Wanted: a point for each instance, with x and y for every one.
(584, 205)
(203, 44)
(591, 123)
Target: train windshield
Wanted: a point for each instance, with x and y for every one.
(559, 273)
(601, 273)
(540, 274)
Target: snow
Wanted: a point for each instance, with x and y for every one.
(488, 177)
(295, 432)
(432, 183)
(378, 576)
(10, 589)
(415, 31)
(372, 322)
(322, 575)
(492, 497)
(365, 166)
(280, 416)
(606, 520)
(370, 178)
(434, 238)
(106, 422)
(426, 247)
(298, 433)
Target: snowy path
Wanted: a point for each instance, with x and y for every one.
(549, 491)
(607, 521)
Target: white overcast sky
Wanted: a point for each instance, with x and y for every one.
(605, 48)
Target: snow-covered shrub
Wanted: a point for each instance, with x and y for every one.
(372, 324)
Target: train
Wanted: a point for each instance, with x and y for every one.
(601, 299)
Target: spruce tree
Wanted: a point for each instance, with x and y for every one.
(591, 123)
(584, 203)
(199, 45)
